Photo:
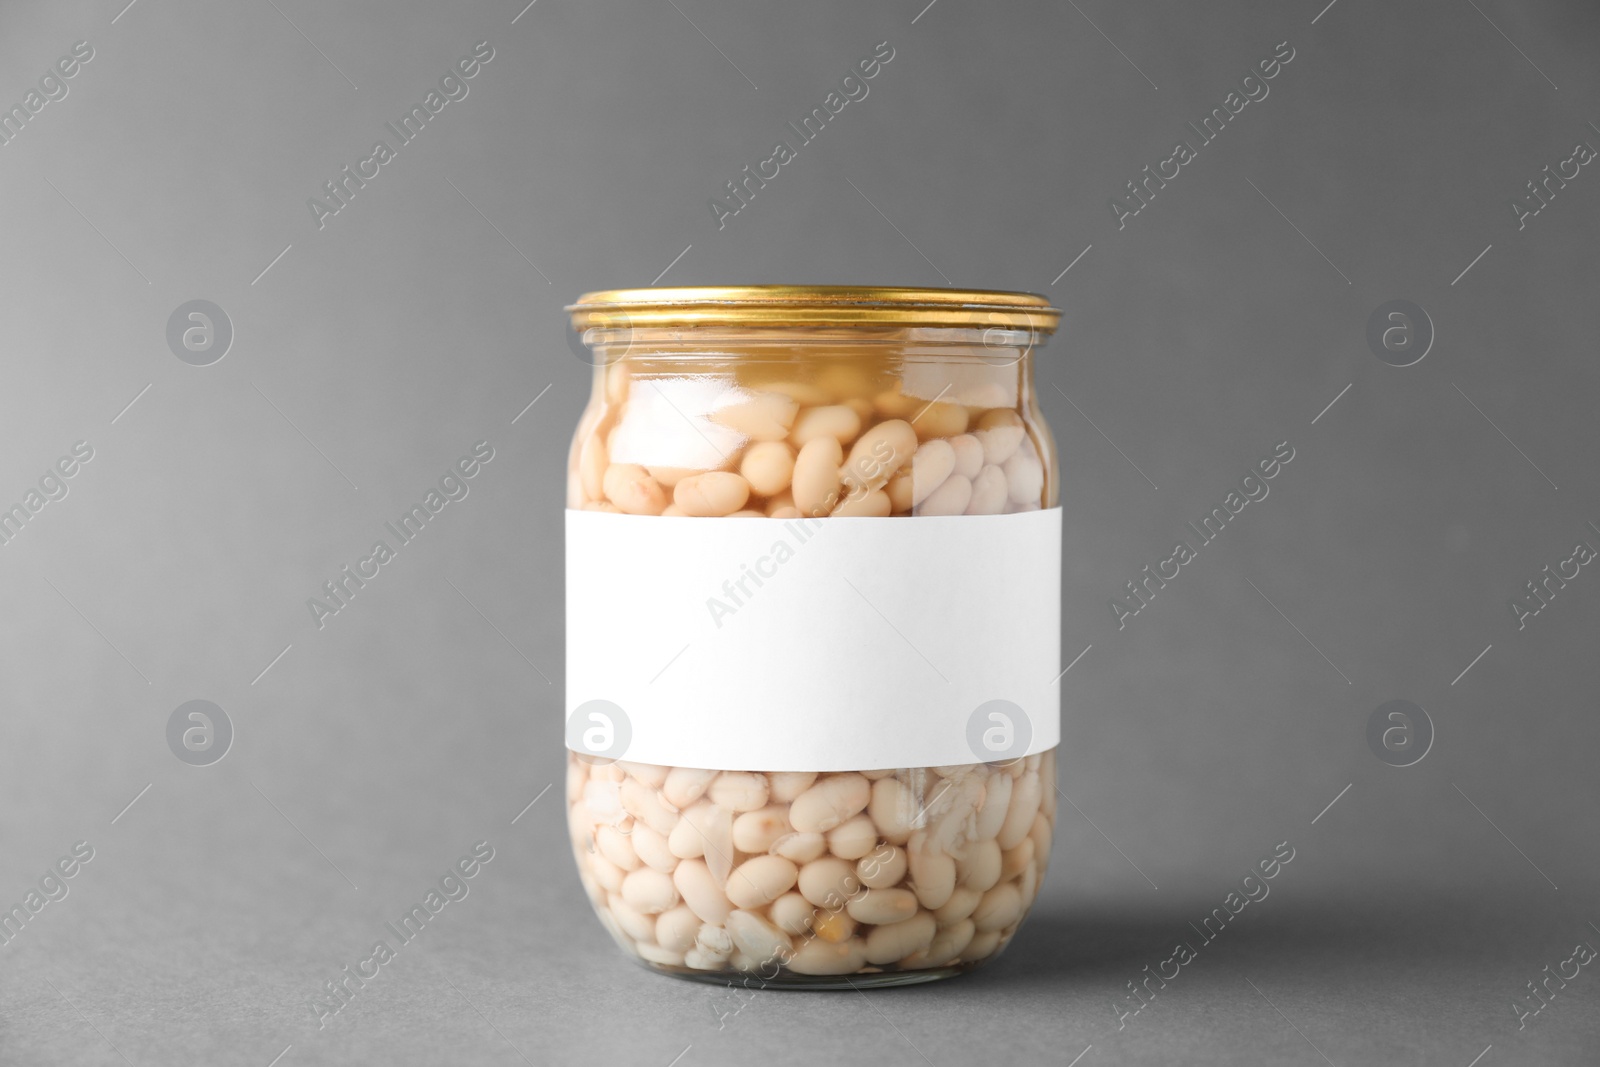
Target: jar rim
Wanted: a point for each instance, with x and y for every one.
(812, 305)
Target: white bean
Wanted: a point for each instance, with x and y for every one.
(989, 491)
(878, 453)
(592, 463)
(759, 830)
(837, 421)
(759, 881)
(739, 790)
(769, 467)
(687, 840)
(992, 813)
(948, 943)
(883, 868)
(802, 848)
(649, 890)
(983, 944)
(651, 847)
(757, 938)
(829, 803)
(853, 838)
(962, 903)
(701, 960)
(1028, 885)
(786, 785)
(1025, 798)
(895, 941)
(1016, 860)
(879, 907)
(899, 492)
(656, 954)
(999, 908)
(616, 847)
(606, 873)
(649, 774)
(969, 455)
(1041, 840)
(820, 957)
(635, 923)
(714, 938)
(834, 927)
(828, 882)
(939, 419)
(631, 489)
(600, 804)
(1024, 478)
(1000, 432)
(933, 462)
(792, 913)
(981, 865)
(892, 808)
(647, 805)
(1047, 785)
(933, 873)
(676, 929)
(816, 476)
(685, 785)
(873, 505)
(701, 892)
(697, 826)
(669, 477)
(951, 498)
(711, 494)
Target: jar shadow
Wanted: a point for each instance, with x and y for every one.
(1108, 944)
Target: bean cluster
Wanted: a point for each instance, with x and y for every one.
(800, 448)
(802, 874)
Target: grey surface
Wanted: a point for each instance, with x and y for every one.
(1223, 319)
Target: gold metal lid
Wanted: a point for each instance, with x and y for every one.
(812, 305)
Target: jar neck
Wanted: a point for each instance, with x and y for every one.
(978, 344)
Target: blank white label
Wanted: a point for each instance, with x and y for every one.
(820, 645)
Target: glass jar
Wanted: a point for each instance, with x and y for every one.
(813, 630)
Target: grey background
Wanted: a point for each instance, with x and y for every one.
(376, 350)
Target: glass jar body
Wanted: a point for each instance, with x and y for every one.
(728, 876)
(833, 878)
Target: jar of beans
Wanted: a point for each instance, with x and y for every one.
(813, 629)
